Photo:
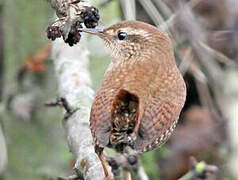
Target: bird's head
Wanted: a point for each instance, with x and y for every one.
(133, 39)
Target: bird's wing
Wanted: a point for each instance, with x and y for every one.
(100, 117)
(160, 113)
(156, 125)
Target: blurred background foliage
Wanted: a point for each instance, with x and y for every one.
(36, 143)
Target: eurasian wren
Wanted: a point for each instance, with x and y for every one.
(140, 98)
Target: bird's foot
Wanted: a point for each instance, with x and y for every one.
(99, 152)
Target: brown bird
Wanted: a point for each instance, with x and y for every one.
(142, 93)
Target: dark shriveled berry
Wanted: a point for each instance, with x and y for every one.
(90, 17)
(74, 35)
(53, 32)
(73, 38)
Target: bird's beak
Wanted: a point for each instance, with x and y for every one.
(98, 32)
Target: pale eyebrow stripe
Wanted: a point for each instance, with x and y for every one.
(134, 31)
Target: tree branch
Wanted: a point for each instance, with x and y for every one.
(201, 170)
(71, 66)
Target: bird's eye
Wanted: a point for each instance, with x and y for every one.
(122, 35)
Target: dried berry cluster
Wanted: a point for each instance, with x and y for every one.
(89, 16)
(74, 35)
(53, 32)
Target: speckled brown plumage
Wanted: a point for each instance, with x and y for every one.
(142, 93)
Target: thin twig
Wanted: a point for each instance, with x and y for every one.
(129, 9)
(217, 55)
(184, 65)
(164, 8)
(152, 11)
(195, 70)
(169, 23)
(200, 170)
